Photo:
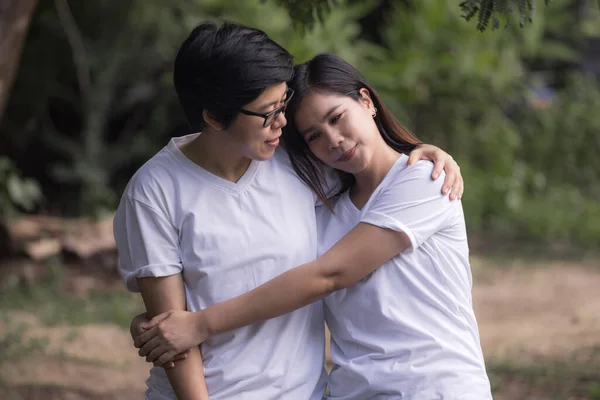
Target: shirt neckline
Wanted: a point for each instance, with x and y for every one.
(349, 205)
(214, 180)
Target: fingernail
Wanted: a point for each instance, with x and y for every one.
(445, 190)
(435, 175)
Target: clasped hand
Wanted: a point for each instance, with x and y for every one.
(167, 335)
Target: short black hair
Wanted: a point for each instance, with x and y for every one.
(221, 68)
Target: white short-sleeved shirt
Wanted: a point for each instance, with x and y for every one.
(407, 330)
(228, 238)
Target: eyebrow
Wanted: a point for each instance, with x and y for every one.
(312, 128)
(264, 107)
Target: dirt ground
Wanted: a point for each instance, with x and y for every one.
(524, 312)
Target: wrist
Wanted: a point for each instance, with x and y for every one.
(202, 327)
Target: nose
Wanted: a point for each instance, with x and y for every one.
(335, 139)
(280, 121)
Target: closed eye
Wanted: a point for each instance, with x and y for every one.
(335, 119)
(312, 137)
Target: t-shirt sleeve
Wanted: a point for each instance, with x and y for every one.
(146, 241)
(412, 203)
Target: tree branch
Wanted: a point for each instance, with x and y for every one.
(76, 41)
(15, 17)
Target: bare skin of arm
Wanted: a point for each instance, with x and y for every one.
(357, 254)
(168, 293)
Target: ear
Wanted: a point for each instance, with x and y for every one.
(365, 99)
(211, 120)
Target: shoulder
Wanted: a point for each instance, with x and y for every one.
(408, 186)
(154, 180)
(422, 168)
(149, 175)
(418, 173)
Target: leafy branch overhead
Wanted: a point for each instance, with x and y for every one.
(486, 10)
(306, 12)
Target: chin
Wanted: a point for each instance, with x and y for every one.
(264, 155)
(346, 169)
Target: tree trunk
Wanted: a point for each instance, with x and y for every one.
(15, 16)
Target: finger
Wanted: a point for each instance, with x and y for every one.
(160, 354)
(145, 337)
(448, 182)
(135, 328)
(414, 156)
(455, 189)
(156, 320)
(168, 365)
(165, 357)
(154, 355)
(149, 346)
(180, 356)
(461, 190)
(438, 167)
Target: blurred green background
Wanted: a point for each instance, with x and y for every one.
(518, 108)
(86, 97)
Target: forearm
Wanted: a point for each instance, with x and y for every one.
(357, 254)
(187, 378)
(168, 293)
(287, 292)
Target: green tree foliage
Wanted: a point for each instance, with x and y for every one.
(90, 112)
(94, 97)
(486, 10)
(16, 193)
(306, 12)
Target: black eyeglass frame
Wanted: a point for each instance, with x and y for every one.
(289, 93)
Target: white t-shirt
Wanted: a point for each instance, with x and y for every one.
(228, 238)
(407, 330)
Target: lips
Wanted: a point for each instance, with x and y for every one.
(347, 155)
(273, 142)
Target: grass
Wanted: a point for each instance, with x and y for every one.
(577, 377)
(13, 345)
(53, 306)
(503, 253)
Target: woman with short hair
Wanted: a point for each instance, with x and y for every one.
(216, 214)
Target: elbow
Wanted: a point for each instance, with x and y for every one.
(327, 286)
(331, 280)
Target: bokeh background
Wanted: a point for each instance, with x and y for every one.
(86, 97)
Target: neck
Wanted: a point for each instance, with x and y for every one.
(381, 163)
(213, 151)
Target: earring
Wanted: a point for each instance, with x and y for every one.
(375, 112)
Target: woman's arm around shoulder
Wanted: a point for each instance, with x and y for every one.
(407, 211)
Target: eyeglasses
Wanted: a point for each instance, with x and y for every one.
(271, 116)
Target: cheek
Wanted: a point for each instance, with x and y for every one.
(319, 150)
(250, 137)
(316, 149)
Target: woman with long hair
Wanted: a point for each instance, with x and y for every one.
(219, 212)
(393, 268)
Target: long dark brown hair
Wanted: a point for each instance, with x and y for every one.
(329, 74)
